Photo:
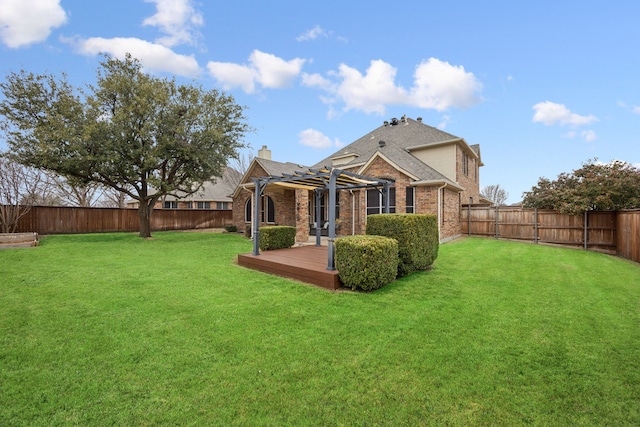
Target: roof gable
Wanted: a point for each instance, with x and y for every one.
(264, 167)
(394, 140)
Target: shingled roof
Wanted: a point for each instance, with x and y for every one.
(272, 167)
(394, 140)
(218, 190)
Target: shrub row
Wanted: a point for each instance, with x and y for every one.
(366, 262)
(417, 237)
(276, 237)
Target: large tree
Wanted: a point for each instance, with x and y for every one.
(141, 135)
(594, 186)
(495, 193)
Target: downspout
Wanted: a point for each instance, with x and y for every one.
(440, 212)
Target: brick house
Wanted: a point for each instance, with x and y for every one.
(434, 173)
(214, 195)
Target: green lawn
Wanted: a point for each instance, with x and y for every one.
(112, 329)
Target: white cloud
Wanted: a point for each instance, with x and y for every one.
(25, 22)
(636, 110)
(440, 86)
(445, 121)
(233, 75)
(551, 113)
(437, 85)
(370, 92)
(264, 69)
(176, 18)
(316, 139)
(274, 72)
(316, 80)
(313, 34)
(588, 135)
(152, 56)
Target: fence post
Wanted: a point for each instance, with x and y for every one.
(586, 234)
(469, 216)
(535, 225)
(497, 222)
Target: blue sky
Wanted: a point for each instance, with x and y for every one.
(541, 86)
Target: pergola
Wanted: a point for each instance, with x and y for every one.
(318, 180)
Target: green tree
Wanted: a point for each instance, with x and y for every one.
(594, 186)
(141, 135)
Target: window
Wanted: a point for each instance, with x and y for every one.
(189, 205)
(267, 210)
(409, 200)
(222, 205)
(375, 201)
(171, 205)
(465, 163)
(204, 205)
(324, 207)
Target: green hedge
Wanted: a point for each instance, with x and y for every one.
(366, 262)
(276, 237)
(417, 237)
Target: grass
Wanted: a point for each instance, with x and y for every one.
(111, 329)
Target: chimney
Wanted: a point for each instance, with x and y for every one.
(264, 153)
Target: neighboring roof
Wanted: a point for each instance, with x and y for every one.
(394, 140)
(218, 190)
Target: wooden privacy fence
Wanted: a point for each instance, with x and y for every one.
(614, 232)
(67, 220)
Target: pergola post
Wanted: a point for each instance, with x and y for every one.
(386, 196)
(332, 220)
(255, 221)
(318, 197)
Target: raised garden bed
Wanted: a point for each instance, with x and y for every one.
(18, 240)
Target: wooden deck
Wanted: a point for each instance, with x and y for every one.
(306, 263)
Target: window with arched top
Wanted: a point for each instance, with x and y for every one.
(267, 210)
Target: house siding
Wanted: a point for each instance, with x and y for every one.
(441, 158)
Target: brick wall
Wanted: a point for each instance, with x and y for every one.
(291, 206)
(284, 201)
(471, 180)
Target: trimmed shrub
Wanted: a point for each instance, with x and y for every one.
(276, 237)
(366, 262)
(417, 237)
(231, 228)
